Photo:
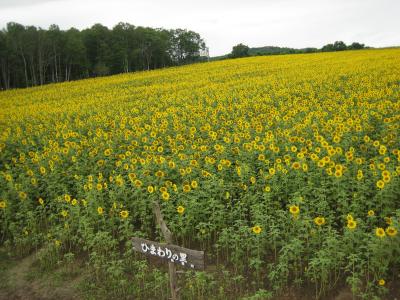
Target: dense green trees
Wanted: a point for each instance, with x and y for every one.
(32, 56)
(340, 46)
(239, 50)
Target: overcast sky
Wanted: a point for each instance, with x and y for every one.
(224, 23)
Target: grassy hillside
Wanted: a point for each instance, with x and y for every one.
(283, 169)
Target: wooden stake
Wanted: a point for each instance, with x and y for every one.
(168, 238)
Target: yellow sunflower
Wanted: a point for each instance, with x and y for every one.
(391, 231)
(319, 221)
(165, 196)
(351, 224)
(124, 214)
(380, 232)
(294, 209)
(257, 229)
(180, 209)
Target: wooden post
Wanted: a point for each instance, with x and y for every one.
(168, 238)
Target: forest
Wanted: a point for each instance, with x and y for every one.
(31, 56)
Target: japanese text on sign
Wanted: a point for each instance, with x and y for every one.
(188, 258)
(165, 252)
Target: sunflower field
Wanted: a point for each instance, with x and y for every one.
(283, 169)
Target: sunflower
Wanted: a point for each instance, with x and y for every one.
(100, 210)
(380, 184)
(388, 220)
(381, 282)
(160, 174)
(391, 231)
(165, 196)
(319, 221)
(371, 213)
(150, 189)
(296, 165)
(194, 184)
(107, 152)
(41, 202)
(64, 213)
(351, 224)
(186, 188)
(257, 229)
(338, 173)
(180, 209)
(42, 170)
(3, 204)
(380, 232)
(294, 209)
(124, 214)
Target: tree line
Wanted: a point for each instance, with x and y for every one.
(242, 50)
(31, 56)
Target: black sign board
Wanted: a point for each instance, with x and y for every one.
(188, 258)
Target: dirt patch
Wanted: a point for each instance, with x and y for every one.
(23, 283)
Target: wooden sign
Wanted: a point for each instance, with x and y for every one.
(171, 253)
(188, 258)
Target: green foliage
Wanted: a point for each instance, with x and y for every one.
(239, 50)
(31, 56)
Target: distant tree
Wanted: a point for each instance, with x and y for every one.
(185, 46)
(56, 38)
(97, 43)
(309, 50)
(239, 50)
(15, 32)
(5, 62)
(74, 50)
(356, 46)
(33, 56)
(327, 48)
(339, 46)
(120, 47)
